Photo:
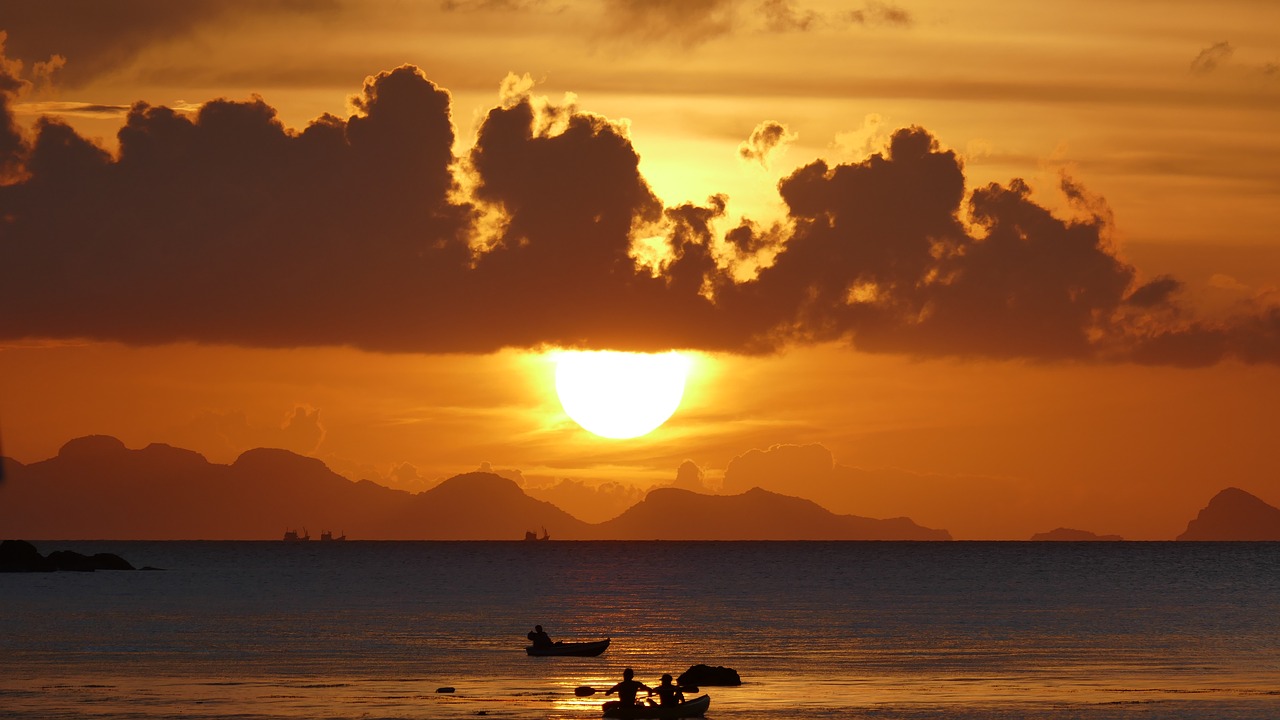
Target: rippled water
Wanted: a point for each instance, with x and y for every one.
(817, 630)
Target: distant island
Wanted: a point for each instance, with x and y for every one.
(1234, 514)
(1070, 535)
(96, 488)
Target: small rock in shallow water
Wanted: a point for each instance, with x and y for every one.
(584, 691)
(705, 675)
(445, 689)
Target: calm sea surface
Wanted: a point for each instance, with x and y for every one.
(816, 630)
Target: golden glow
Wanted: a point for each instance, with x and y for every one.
(620, 395)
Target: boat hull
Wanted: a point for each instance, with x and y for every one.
(696, 707)
(565, 649)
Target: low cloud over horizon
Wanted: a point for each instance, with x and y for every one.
(224, 226)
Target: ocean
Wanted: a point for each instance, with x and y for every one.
(358, 629)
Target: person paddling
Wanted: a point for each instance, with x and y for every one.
(669, 694)
(539, 637)
(628, 688)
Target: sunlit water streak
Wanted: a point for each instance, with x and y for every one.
(817, 630)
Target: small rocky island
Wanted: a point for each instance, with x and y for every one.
(1234, 514)
(22, 556)
(1072, 535)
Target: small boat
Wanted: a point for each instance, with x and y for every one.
(530, 535)
(569, 649)
(696, 707)
(293, 536)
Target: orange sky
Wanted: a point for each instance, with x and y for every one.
(1099, 350)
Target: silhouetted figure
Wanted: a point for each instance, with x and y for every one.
(667, 693)
(539, 637)
(628, 688)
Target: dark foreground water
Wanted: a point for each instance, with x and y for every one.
(817, 630)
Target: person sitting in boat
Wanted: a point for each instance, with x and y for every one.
(628, 688)
(539, 637)
(668, 694)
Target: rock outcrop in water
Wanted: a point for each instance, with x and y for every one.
(1234, 514)
(22, 556)
(1071, 535)
(699, 675)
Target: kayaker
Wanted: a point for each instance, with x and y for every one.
(628, 688)
(669, 694)
(539, 637)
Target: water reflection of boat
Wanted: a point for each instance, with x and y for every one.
(293, 536)
(326, 535)
(569, 649)
(530, 535)
(696, 707)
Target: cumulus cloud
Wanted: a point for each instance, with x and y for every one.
(768, 140)
(800, 470)
(592, 502)
(1212, 57)
(691, 477)
(512, 474)
(224, 226)
(226, 434)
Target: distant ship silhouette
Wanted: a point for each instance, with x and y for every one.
(326, 535)
(530, 535)
(293, 536)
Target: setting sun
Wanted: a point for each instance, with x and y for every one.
(620, 395)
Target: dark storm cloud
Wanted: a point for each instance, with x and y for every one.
(1155, 293)
(879, 256)
(224, 226)
(876, 13)
(1252, 338)
(75, 109)
(693, 22)
(1211, 57)
(98, 38)
(12, 145)
(488, 5)
(786, 16)
(686, 22)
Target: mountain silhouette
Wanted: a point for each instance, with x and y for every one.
(1234, 514)
(484, 506)
(1070, 535)
(677, 514)
(96, 488)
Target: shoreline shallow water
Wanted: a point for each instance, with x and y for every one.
(817, 630)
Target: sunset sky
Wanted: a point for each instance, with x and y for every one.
(997, 266)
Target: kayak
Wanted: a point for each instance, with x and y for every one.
(696, 707)
(570, 649)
